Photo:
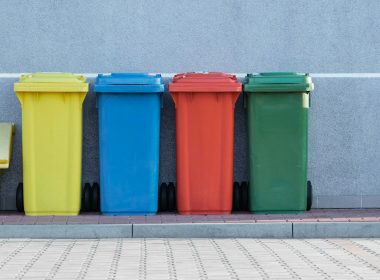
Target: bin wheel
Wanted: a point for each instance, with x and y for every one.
(171, 197)
(309, 199)
(163, 199)
(236, 197)
(86, 198)
(95, 199)
(244, 196)
(20, 197)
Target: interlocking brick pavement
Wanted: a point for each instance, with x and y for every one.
(190, 259)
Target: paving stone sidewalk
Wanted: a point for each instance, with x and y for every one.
(190, 259)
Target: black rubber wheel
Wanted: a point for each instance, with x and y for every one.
(95, 198)
(171, 195)
(163, 199)
(86, 197)
(309, 199)
(244, 196)
(236, 197)
(20, 198)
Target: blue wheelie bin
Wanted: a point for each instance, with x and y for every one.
(129, 106)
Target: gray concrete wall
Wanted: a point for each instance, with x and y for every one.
(344, 150)
(189, 35)
(241, 36)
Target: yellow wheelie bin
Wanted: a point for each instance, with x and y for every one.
(51, 142)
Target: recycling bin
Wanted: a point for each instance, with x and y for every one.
(204, 105)
(278, 105)
(51, 142)
(129, 106)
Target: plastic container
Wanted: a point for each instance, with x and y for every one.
(278, 105)
(129, 138)
(205, 105)
(52, 141)
(6, 134)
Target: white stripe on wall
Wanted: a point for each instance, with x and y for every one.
(239, 75)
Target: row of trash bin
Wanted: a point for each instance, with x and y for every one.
(129, 106)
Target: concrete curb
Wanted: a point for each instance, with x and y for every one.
(196, 230)
(336, 230)
(82, 231)
(213, 230)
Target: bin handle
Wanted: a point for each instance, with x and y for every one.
(174, 96)
(235, 97)
(309, 99)
(306, 100)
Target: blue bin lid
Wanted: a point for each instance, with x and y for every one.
(129, 82)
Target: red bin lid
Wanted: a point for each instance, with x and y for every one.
(205, 82)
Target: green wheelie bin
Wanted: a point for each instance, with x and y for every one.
(278, 105)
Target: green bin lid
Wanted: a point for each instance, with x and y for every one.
(51, 82)
(278, 82)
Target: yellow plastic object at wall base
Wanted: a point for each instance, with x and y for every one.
(52, 145)
(6, 132)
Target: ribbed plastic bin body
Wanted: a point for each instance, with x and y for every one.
(205, 135)
(129, 139)
(278, 105)
(52, 142)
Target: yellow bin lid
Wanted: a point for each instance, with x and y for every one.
(51, 82)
